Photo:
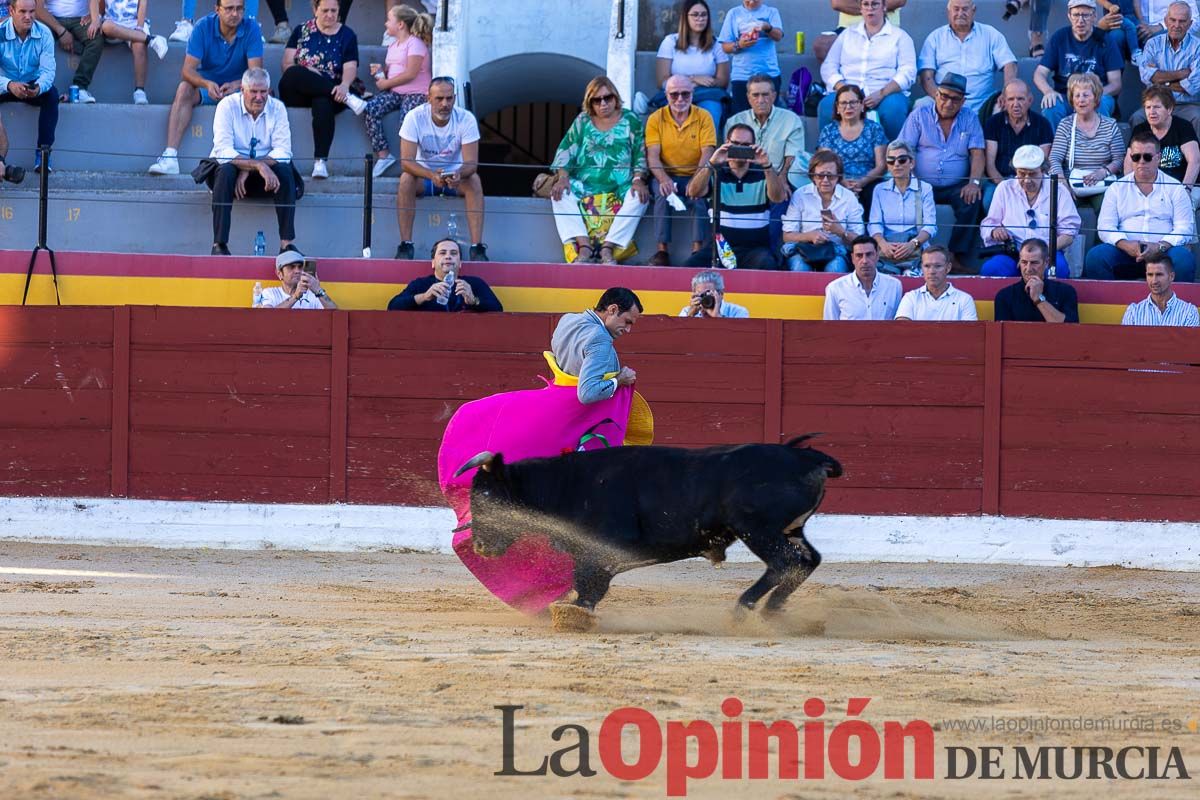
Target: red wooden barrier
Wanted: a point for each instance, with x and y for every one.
(224, 404)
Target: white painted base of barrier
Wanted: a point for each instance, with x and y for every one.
(967, 540)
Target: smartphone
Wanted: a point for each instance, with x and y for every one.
(740, 151)
(309, 266)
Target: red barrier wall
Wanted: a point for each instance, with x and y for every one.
(223, 404)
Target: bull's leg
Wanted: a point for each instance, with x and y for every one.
(591, 584)
(810, 559)
(785, 567)
(766, 583)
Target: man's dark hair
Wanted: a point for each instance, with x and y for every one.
(433, 250)
(1039, 245)
(1145, 137)
(742, 126)
(864, 239)
(1155, 257)
(938, 248)
(624, 299)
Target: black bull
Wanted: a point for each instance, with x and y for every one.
(625, 507)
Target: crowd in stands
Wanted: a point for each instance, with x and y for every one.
(1012, 169)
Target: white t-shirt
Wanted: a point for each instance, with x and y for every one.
(67, 8)
(439, 148)
(272, 296)
(692, 61)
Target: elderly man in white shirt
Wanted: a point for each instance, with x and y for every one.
(969, 48)
(878, 58)
(1146, 211)
(865, 293)
(252, 145)
(937, 300)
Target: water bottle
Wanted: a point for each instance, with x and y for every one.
(728, 259)
(260, 244)
(445, 298)
(257, 294)
(452, 226)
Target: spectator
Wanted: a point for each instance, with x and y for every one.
(184, 27)
(903, 216)
(748, 188)
(1039, 15)
(860, 142)
(1014, 126)
(937, 300)
(1119, 20)
(583, 344)
(948, 142)
(822, 219)
(748, 35)
(405, 84)
(877, 57)
(1020, 210)
(298, 288)
(864, 293)
(125, 21)
(439, 152)
(1088, 148)
(1078, 49)
(1171, 62)
(1176, 139)
(708, 298)
(433, 292)
(27, 70)
(1154, 14)
(222, 46)
(848, 16)
(66, 20)
(1162, 306)
(320, 62)
(693, 52)
(679, 140)
(601, 167)
(1144, 211)
(252, 143)
(969, 48)
(1035, 298)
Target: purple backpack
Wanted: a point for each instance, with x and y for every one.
(798, 88)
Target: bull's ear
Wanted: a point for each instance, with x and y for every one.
(483, 460)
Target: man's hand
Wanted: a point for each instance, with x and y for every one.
(1000, 234)
(1130, 248)
(666, 188)
(93, 27)
(1033, 287)
(1110, 21)
(873, 100)
(302, 285)
(66, 41)
(626, 377)
(439, 179)
(902, 251)
(761, 158)
(464, 290)
(439, 289)
(970, 192)
(1050, 99)
(451, 179)
(720, 155)
(270, 179)
(314, 285)
(214, 90)
(239, 187)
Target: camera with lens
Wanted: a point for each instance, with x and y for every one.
(708, 300)
(1011, 8)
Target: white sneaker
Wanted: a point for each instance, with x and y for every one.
(183, 31)
(641, 104)
(85, 96)
(319, 169)
(139, 96)
(382, 166)
(355, 104)
(159, 45)
(281, 35)
(166, 165)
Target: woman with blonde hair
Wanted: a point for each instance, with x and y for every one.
(403, 82)
(1088, 148)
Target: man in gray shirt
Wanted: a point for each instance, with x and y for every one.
(583, 344)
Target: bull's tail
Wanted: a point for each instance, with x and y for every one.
(833, 469)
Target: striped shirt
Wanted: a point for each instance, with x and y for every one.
(1178, 312)
(1091, 153)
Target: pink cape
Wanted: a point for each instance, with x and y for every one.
(527, 424)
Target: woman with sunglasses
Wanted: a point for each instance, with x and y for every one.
(693, 51)
(859, 141)
(822, 219)
(603, 153)
(1020, 210)
(903, 216)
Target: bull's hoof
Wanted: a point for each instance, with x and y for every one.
(570, 618)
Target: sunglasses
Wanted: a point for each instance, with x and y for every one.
(677, 95)
(824, 176)
(604, 98)
(1138, 157)
(899, 160)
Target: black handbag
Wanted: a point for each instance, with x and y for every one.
(1008, 248)
(816, 254)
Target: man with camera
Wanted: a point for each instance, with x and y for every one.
(27, 73)
(298, 285)
(708, 298)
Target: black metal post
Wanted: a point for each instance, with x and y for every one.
(43, 215)
(1053, 232)
(368, 194)
(444, 13)
(620, 19)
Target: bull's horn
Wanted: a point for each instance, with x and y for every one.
(484, 459)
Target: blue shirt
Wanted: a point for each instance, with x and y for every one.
(29, 60)
(761, 56)
(977, 58)
(858, 156)
(942, 160)
(1066, 56)
(1177, 312)
(900, 217)
(1158, 54)
(220, 61)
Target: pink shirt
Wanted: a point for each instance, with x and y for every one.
(397, 62)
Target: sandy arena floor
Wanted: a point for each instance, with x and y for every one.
(141, 673)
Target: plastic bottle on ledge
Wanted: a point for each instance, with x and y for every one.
(258, 292)
(728, 259)
(260, 244)
(452, 226)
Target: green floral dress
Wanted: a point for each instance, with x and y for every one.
(602, 161)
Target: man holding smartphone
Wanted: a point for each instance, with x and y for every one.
(27, 71)
(298, 285)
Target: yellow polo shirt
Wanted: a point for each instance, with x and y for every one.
(680, 144)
